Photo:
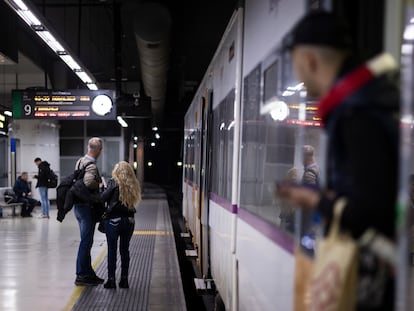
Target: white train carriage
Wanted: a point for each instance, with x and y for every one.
(244, 130)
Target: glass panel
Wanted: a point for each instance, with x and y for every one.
(222, 147)
(67, 165)
(72, 147)
(73, 128)
(275, 129)
(270, 81)
(111, 154)
(102, 128)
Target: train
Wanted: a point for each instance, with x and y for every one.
(244, 131)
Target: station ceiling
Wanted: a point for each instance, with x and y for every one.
(105, 35)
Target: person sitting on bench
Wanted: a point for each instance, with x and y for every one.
(24, 195)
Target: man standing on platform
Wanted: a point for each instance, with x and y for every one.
(85, 275)
(42, 176)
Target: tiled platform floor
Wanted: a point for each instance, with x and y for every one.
(37, 265)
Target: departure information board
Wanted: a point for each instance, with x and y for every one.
(64, 105)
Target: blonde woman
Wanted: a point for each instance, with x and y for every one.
(123, 193)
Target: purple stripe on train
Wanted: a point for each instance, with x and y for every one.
(272, 232)
(232, 208)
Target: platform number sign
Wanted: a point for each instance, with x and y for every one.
(64, 105)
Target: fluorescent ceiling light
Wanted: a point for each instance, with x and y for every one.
(30, 18)
(50, 41)
(157, 136)
(122, 121)
(92, 86)
(155, 128)
(70, 62)
(83, 76)
(21, 5)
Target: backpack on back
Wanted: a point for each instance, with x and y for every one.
(62, 191)
(52, 179)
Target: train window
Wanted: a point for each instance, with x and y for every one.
(189, 158)
(270, 81)
(272, 146)
(222, 147)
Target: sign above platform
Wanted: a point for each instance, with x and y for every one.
(64, 105)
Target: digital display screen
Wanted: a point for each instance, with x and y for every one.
(64, 105)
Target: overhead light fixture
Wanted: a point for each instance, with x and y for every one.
(84, 77)
(122, 121)
(157, 136)
(8, 113)
(70, 62)
(155, 128)
(92, 86)
(34, 20)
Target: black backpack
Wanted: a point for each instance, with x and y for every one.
(64, 187)
(52, 179)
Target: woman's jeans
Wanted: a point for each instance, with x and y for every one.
(122, 228)
(45, 200)
(83, 214)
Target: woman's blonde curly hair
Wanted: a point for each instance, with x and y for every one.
(129, 188)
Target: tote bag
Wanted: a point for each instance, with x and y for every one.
(334, 279)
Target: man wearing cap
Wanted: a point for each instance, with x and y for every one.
(359, 107)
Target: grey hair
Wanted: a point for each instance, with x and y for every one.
(95, 144)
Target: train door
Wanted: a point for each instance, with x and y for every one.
(204, 182)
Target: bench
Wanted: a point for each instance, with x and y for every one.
(8, 202)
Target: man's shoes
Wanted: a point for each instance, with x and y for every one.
(88, 280)
(110, 283)
(97, 279)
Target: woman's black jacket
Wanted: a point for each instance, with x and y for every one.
(114, 207)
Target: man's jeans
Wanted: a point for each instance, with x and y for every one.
(45, 201)
(122, 228)
(86, 222)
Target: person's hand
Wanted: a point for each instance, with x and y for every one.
(298, 195)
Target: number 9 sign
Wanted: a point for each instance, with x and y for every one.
(27, 110)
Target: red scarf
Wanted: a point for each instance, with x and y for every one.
(353, 81)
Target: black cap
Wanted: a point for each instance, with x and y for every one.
(37, 159)
(320, 28)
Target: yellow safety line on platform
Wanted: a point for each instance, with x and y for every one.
(153, 232)
(79, 289)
